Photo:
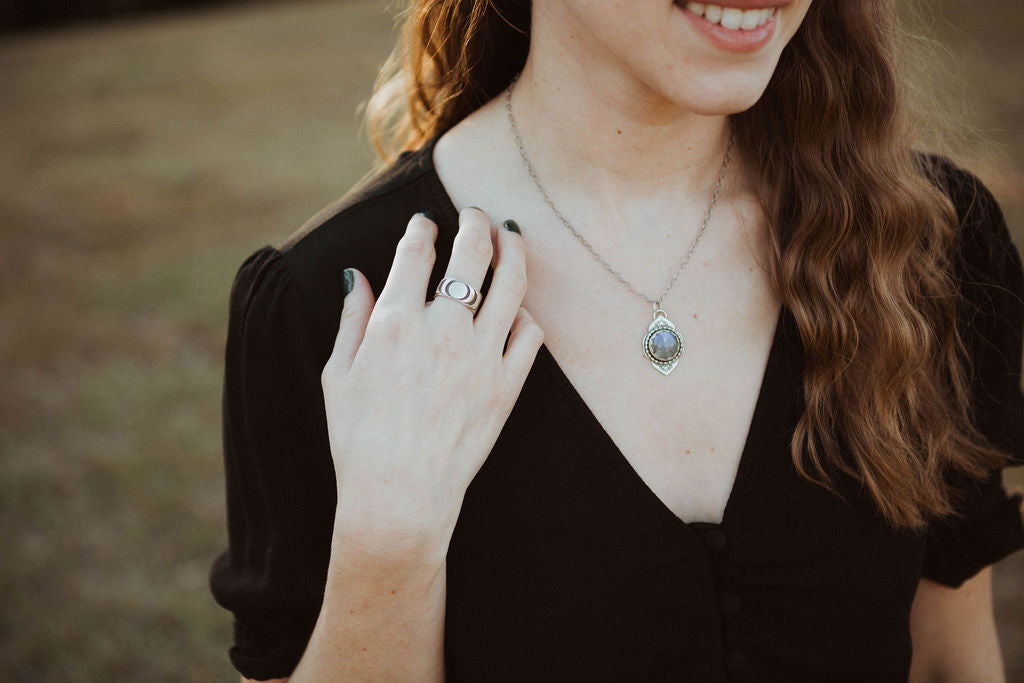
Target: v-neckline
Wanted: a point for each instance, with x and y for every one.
(593, 427)
(745, 469)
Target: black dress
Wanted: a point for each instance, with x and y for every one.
(564, 565)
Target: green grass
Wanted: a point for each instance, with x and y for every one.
(142, 161)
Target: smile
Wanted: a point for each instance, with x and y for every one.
(734, 29)
(730, 17)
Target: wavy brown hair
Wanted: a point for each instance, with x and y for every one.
(862, 238)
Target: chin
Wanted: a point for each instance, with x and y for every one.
(723, 94)
(727, 101)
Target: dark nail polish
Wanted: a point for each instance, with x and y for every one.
(512, 226)
(427, 214)
(348, 281)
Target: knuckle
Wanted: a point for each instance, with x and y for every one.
(528, 326)
(348, 314)
(478, 246)
(515, 283)
(447, 343)
(415, 246)
(388, 324)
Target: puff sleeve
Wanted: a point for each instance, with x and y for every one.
(989, 525)
(280, 478)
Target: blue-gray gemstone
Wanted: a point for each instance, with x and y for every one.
(663, 345)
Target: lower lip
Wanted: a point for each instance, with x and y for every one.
(728, 39)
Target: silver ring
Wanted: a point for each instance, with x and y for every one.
(463, 292)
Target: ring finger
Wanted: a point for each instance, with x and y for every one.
(471, 255)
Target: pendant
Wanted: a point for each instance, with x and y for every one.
(662, 344)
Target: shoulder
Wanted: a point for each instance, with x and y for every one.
(986, 262)
(388, 193)
(982, 232)
(360, 230)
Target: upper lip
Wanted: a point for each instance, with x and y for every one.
(744, 4)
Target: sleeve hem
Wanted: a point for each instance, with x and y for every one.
(262, 668)
(1004, 536)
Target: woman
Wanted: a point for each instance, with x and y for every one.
(762, 437)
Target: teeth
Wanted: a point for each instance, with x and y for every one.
(749, 20)
(731, 17)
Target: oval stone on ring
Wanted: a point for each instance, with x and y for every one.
(456, 289)
(463, 292)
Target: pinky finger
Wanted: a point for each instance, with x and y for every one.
(525, 339)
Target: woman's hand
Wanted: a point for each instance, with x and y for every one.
(416, 394)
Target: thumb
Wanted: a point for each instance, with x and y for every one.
(355, 312)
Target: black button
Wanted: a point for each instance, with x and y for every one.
(715, 541)
(729, 603)
(735, 662)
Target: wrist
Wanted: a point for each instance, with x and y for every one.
(390, 537)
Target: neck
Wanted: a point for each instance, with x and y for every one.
(611, 135)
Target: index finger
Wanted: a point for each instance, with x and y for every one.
(406, 286)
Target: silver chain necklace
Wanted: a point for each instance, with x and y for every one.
(662, 344)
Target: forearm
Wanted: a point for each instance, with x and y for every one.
(382, 616)
(954, 633)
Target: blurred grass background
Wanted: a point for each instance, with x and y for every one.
(140, 161)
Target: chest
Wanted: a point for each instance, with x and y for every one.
(683, 433)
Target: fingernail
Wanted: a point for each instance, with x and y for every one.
(477, 208)
(512, 226)
(348, 281)
(427, 214)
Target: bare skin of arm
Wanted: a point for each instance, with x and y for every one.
(954, 633)
(382, 619)
(403, 458)
(379, 621)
